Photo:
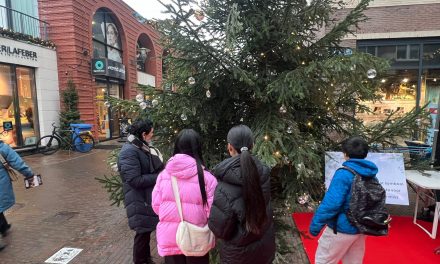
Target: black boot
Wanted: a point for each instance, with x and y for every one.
(5, 230)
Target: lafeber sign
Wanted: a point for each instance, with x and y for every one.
(18, 52)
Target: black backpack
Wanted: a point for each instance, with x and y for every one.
(367, 209)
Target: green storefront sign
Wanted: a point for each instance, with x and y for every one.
(109, 68)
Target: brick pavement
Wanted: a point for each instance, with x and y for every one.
(71, 209)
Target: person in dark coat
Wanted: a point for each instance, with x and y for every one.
(241, 214)
(139, 166)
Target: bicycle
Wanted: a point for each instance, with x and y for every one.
(49, 144)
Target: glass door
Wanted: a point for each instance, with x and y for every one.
(103, 125)
(107, 119)
(26, 93)
(115, 91)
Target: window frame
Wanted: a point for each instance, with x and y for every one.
(105, 13)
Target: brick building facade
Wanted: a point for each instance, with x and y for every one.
(407, 34)
(108, 35)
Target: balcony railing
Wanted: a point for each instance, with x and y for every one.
(23, 23)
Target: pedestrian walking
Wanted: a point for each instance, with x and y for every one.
(196, 187)
(341, 240)
(241, 213)
(139, 168)
(7, 197)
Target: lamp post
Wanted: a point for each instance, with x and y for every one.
(141, 57)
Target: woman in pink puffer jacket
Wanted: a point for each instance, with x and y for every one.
(196, 188)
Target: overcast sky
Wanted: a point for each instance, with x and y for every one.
(148, 8)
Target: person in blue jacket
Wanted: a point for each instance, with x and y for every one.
(7, 197)
(340, 239)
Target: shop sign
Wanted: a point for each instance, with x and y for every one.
(17, 52)
(99, 67)
(108, 68)
(7, 126)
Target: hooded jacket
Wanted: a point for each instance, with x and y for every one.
(184, 168)
(139, 171)
(227, 219)
(7, 198)
(336, 201)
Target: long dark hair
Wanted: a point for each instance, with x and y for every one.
(242, 140)
(188, 142)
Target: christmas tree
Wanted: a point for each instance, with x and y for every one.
(276, 66)
(69, 114)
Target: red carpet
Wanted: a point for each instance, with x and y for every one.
(406, 243)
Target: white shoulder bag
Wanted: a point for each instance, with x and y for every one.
(192, 240)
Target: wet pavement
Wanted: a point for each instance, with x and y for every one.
(70, 209)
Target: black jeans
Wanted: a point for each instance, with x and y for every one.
(3, 223)
(182, 259)
(141, 248)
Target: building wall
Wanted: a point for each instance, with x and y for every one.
(46, 77)
(380, 3)
(71, 30)
(390, 20)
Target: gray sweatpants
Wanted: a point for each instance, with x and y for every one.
(333, 248)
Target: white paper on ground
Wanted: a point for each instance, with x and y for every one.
(63, 256)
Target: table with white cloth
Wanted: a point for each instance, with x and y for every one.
(427, 180)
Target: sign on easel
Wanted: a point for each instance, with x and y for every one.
(391, 173)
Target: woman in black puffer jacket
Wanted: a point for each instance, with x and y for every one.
(241, 214)
(139, 167)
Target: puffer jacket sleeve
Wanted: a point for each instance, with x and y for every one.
(210, 190)
(157, 194)
(333, 201)
(222, 220)
(131, 171)
(15, 161)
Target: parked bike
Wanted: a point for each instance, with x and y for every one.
(82, 141)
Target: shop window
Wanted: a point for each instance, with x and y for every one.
(98, 50)
(398, 90)
(7, 107)
(387, 52)
(394, 52)
(430, 94)
(17, 106)
(431, 54)
(414, 52)
(25, 81)
(408, 52)
(106, 36)
(401, 52)
(145, 55)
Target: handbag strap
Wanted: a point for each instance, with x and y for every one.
(3, 161)
(177, 196)
(12, 175)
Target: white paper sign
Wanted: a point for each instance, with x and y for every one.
(63, 256)
(391, 173)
